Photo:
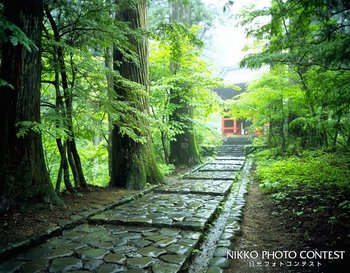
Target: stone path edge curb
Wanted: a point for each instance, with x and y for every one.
(57, 229)
(220, 260)
(234, 189)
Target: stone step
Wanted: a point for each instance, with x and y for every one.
(228, 160)
(155, 233)
(216, 175)
(187, 211)
(237, 140)
(109, 248)
(213, 167)
(206, 187)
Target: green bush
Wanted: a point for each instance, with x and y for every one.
(166, 169)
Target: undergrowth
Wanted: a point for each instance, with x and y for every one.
(310, 169)
(311, 191)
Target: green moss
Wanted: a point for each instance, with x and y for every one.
(143, 171)
(136, 179)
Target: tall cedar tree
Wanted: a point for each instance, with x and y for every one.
(132, 163)
(23, 174)
(183, 149)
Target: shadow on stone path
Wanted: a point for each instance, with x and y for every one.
(155, 233)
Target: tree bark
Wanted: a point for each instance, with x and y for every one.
(63, 168)
(337, 128)
(132, 163)
(72, 151)
(62, 148)
(183, 149)
(23, 174)
(108, 55)
(163, 139)
(110, 84)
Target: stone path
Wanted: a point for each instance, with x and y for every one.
(156, 233)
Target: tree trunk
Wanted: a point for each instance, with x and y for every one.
(132, 163)
(72, 152)
(60, 111)
(59, 178)
(23, 173)
(109, 78)
(337, 128)
(282, 127)
(163, 138)
(108, 55)
(77, 162)
(183, 149)
(63, 167)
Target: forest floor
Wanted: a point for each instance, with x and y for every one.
(17, 225)
(265, 228)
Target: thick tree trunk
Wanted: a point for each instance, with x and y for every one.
(183, 150)
(132, 163)
(23, 174)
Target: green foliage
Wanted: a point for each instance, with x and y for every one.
(25, 127)
(87, 30)
(299, 34)
(9, 32)
(4, 83)
(307, 40)
(177, 67)
(271, 102)
(166, 169)
(275, 90)
(310, 169)
(312, 186)
(201, 14)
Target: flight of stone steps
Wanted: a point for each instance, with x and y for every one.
(155, 233)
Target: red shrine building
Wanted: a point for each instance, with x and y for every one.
(230, 125)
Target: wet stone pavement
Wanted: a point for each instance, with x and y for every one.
(155, 233)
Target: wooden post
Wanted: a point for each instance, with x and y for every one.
(234, 126)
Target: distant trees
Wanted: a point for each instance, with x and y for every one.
(183, 78)
(309, 40)
(23, 174)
